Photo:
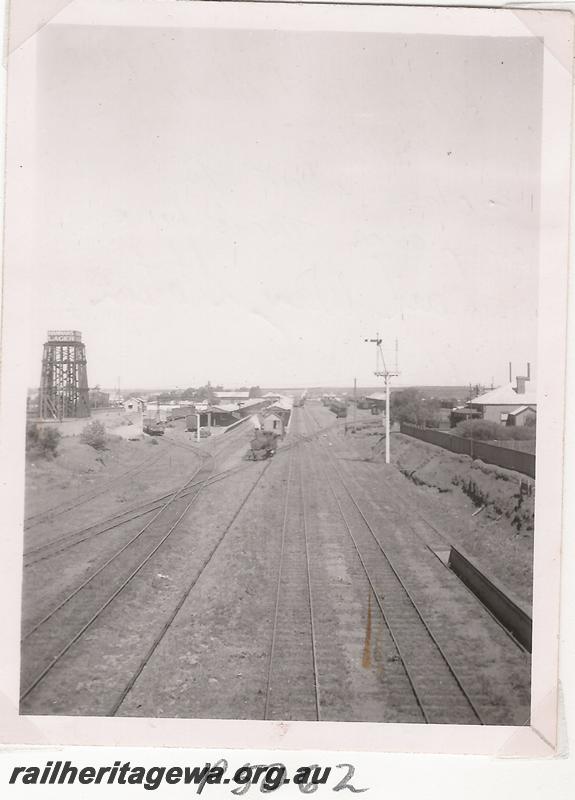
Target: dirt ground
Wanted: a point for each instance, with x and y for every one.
(78, 469)
(219, 656)
(487, 510)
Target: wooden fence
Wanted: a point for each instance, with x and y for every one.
(490, 453)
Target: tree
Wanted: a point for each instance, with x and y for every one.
(94, 435)
(255, 391)
(205, 394)
(409, 406)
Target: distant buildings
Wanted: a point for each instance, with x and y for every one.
(510, 404)
(231, 397)
(98, 398)
(134, 404)
(376, 401)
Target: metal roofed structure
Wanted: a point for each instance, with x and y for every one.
(231, 396)
(497, 404)
(506, 395)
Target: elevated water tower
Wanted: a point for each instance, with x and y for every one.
(64, 384)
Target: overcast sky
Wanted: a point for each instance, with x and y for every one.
(248, 207)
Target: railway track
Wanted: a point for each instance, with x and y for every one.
(69, 540)
(47, 515)
(80, 615)
(87, 655)
(133, 509)
(109, 632)
(421, 530)
(58, 510)
(438, 690)
(64, 542)
(292, 687)
(168, 622)
(44, 645)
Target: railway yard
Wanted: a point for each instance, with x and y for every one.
(307, 586)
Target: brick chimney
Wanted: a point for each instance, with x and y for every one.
(522, 380)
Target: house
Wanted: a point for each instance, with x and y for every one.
(134, 404)
(497, 404)
(273, 424)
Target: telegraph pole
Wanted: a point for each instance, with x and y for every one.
(382, 371)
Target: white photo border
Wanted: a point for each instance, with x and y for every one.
(556, 30)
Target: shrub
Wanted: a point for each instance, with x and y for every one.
(32, 435)
(482, 429)
(48, 441)
(486, 430)
(520, 432)
(42, 442)
(94, 434)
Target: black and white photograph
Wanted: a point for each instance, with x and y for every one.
(289, 337)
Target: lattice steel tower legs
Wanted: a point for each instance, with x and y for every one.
(64, 385)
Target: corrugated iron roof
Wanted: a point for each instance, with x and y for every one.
(507, 396)
(376, 396)
(520, 410)
(285, 404)
(252, 401)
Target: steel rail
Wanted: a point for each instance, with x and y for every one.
(406, 517)
(386, 621)
(137, 508)
(168, 623)
(56, 511)
(105, 605)
(311, 614)
(408, 594)
(278, 587)
(317, 695)
(135, 511)
(175, 496)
